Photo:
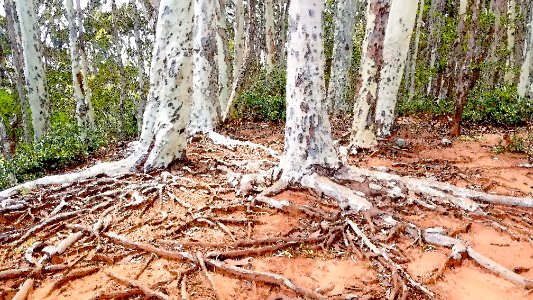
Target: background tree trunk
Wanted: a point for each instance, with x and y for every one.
(377, 16)
(82, 92)
(238, 40)
(395, 48)
(140, 67)
(120, 66)
(205, 106)
(526, 72)
(18, 66)
(342, 55)
(511, 32)
(412, 67)
(34, 69)
(270, 31)
(308, 140)
(223, 60)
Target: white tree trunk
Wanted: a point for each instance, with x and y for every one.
(525, 87)
(205, 106)
(270, 33)
(34, 68)
(395, 48)
(163, 138)
(82, 92)
(511, 31)
(377, 15)
(222, 56)
(238, 42)
(342, 55)
(412, 72)
(308, 140)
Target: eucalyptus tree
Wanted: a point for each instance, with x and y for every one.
(363, 131)
(411, 68)
(342, 55)
(525, 85)
(140, 65)
(205, 107)
(395, 48)
(33, 68)
(18, 66)
(82, 91)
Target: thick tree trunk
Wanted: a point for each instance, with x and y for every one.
(34, 68)
(205, 107)
(140, 67)
(412, 67)
(270, 32)
(395, 48)
(82, 91)
(18, 67)
(163, 138)
(120, 66)
(308, 140)
(223, 60)
(363, 135)
(342, 55)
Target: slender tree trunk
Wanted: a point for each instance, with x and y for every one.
(412, 72)
(120, 65)
(205, 106)
(469, 72)
(18, 67)
(342, 55)
(395, 48)
(308, 141)
(270, 32)
(163, 138)
(223, 61)
(82, 92)
(511, 32)
(377, 16)
(525, 85)
(283, 33)
(140, 67)
(238, 40)
(34, 68)
(435, 24)
(498, 8)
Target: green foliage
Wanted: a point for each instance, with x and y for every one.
(8, 104)
(264, 99)
(501, 106)
(61, 147)
(425, 105)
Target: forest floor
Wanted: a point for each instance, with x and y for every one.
(195, 209)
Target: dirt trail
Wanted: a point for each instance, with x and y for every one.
(330, 268)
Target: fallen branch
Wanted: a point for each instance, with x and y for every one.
(148, 292)
(76, 274)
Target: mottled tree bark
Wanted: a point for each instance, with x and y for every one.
(525, 85)
(511, 31)
(82, 91)
(205, 107)
(342, 55)
(238, 40)
(395, 48)
(18, 66)
(223, 60)
(308, 141)
(363, 134)
(34, 69)
(163, 138)
(435, 24)
(499, 9)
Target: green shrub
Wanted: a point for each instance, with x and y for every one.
(265, 99)
(501, 106)
(425, 105)
(61, 147)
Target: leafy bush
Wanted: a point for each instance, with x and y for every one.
(265, 99)
(425, 105)
(61, 147)
(501, 106)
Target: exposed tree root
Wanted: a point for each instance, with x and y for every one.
(24, 290)
(118, 295)
(148, 292)
(228, 142)
(75, 274)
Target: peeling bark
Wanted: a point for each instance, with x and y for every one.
(308, 140)
(34, 69)
(395, 48)
(363, 134)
